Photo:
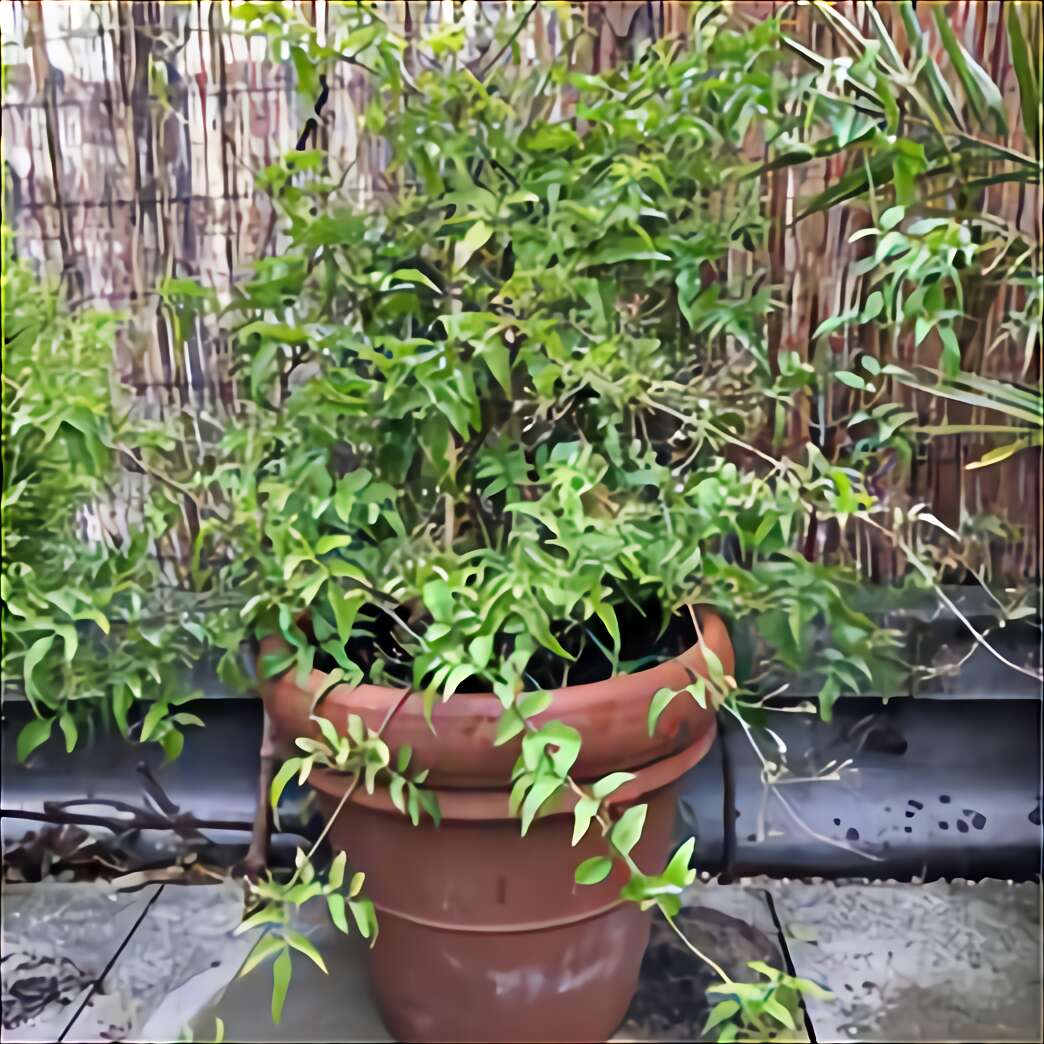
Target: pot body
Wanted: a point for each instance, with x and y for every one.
(483, 934)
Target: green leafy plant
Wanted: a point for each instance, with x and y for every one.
(360, 753)
(84, 638)
(515, 410)
(277, 904)
(766, 1010)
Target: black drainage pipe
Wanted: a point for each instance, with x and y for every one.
(928, 788)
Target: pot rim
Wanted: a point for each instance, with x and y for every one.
(367, 696)
(472, 805)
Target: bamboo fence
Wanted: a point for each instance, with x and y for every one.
(133, 132)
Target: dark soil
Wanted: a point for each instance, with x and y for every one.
(642, 646)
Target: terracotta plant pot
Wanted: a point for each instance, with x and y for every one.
(484, 934)
(611, 716)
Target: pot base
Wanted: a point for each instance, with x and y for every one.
(484, 935)
(570, 983)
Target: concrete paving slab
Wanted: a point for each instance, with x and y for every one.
(181, 955)
(732, 923)
(939, 962)
(943, 961)
(319, 1009)
(57, 942)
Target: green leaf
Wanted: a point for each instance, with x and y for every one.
(891, 217)
(607, 615)
(853, 380)
(628, 829)
(678, 871)
(559, 742)
(459, 674)
(480, 649)
(187, 718)
(68, 727)
(70, 638)
(32, 734)
(661, 698)
(540, 792)
(332, 542)
(765, 969)
(622, 249)
(286, 772)
(345, 606)
(728, 1033)
(828, 695)
(274, 664)
(281, 971)
(997, 454)
(336, 873)
(714, 666)
(778, 1012)
(336, 903)
(509, 726)
(328, 732)
(496, 356)
(410, 275)
(439, 599)
(980, 90)
(593, 871)
(328, 684)
(365, 917)
(266, 915)
(267, 945)
(872, 308)
(721, 1012)
(950, 362)
(305, 945)
(586, 809)
(533, 703)
(474, 239)
(1029, 87)
(307, 74)
(173, 742)
(611, 783)
(36, 652)
(121, 702)
(923, 325)
(153, 716)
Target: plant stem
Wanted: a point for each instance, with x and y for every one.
(349, 790)
(713, 965)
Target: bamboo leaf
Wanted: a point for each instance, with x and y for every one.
(1029, 89)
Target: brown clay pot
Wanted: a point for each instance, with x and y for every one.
(484, 934)
(610, 715)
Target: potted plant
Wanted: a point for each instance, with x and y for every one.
(497, 461)
(512, 438)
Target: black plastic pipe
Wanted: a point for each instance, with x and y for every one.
(927, 788)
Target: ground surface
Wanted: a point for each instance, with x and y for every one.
(937, 962)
